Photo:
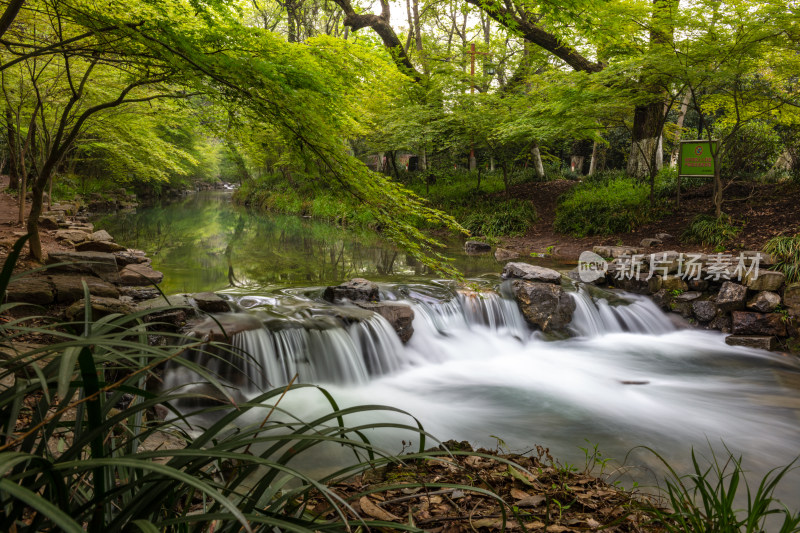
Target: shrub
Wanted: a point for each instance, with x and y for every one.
(512, 217)
(785, 249)
(603, 207)
(712, 231)
(753, 150)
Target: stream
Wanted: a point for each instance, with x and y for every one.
(473, 370)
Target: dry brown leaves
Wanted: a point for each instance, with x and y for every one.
(536, 496)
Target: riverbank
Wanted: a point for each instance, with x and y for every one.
(764, 210)
(462, 513)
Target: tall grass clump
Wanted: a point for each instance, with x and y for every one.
(604, 206)
(76, 417)
(785, 249)
(493, 219)
(712, 231)
(708, 500)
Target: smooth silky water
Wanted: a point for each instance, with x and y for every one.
(473, 370)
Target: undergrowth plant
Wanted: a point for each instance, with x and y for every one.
(605, 205)
(707, 499)
(785, 249)
(712, 231)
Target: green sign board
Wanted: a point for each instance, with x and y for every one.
(696, 159)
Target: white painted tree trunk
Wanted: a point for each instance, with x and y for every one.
(537, 161)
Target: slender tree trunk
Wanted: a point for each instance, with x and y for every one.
(13, 152)
(673, 160)
(537, 160)
(593, 161)
(504, 166)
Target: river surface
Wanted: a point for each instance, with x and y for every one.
(473, 370)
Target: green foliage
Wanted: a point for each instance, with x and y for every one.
(707, 499)
(484, 212)
(785, 249)
(712, 231)
(494, 219)
(274, 193)
(604, 206)
(752, 149)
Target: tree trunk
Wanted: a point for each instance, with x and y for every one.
(13, 150)
(673, 160)
(593, 161)
(537, 160)
(646, 138)
(504, 166)
(717, 183)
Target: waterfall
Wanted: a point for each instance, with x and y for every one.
(347, 346)
(596, 316)
(470, 310)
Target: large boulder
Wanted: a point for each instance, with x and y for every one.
(531, 273)
(731, 297)
(662, 298)
(31, 290)
(721, 322)
(223, 327)
(766, 280)
(704, 310)
(760, 342)
(638, 284)
(764, 302)
(477, 247)
(99, 246)
(211, 303)
(651, 243)
(400, 316)
(749, 323)
(131, 257)
(504, 254)
(101, 264)
(100, 307)
(166, 315)
(689, 296)
(355, 290)
(544, 305)
(101, 235)
(72, 235)
(49, 222)
(139, 274)
(69, 287)
(791, 296)
(674, 283)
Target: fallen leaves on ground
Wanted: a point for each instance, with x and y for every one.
(496, 492)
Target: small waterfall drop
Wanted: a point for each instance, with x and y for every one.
(470, 310)
(596, 316)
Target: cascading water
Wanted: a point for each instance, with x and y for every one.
(595, 316)
(473, 370)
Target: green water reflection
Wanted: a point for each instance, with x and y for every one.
(204, 242)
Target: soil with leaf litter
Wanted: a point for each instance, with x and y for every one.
(452, 492)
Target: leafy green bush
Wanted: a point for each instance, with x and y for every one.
(712, 231)
(752, 150)
(512, 217)
(603, 207)
(785, 249)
